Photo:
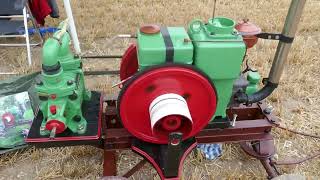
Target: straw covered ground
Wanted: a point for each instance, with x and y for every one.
(296, 102)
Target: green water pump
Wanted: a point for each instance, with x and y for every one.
(61, 87)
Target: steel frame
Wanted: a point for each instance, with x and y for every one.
(252, 130)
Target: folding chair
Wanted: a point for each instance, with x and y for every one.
(14, 17)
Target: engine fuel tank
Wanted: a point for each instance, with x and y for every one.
(158, 45)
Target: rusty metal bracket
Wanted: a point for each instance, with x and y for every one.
(252, 130)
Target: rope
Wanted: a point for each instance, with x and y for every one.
(298, 132)
(297, 161)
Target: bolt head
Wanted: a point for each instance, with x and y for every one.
(39, 83)
(73, 96)
(268, 110)
(77, 118)
(69, 82)
(80, 127)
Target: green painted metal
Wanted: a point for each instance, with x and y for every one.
(218, 52)
(152, 49)
(254, 79)
(50, 52)
(63, 88)
(221, 26)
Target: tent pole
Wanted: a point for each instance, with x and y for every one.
(72, 27)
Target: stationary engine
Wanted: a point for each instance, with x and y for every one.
(179, 87)
(179, 80)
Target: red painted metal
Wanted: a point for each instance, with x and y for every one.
(150, 29)
(264, 151)
(110, 163)
(259, 149)
(252, 125)
(53, 96)
(156, 166)
(129, 62)
(135, 168)
(74, 138)
(270, 168)
(60, 126)
(186, 82)
(53, 109)
(248, 30)
(120, 138)
(171, 123)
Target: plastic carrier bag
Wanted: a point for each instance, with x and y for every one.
(18, 103)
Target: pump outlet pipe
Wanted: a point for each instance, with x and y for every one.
(281, 55)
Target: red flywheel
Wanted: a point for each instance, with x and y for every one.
(129, 62)
(164, 99)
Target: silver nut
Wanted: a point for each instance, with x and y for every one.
(80, 127)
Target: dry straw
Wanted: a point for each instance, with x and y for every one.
(296, 101)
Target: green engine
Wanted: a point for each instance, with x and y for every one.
(215, 48)
(184, 79)
(61, 87)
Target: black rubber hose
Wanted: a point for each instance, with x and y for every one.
(263, 93)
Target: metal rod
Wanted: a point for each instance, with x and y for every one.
(121, 36)
(8, 73)
(121, 82)
(34, 23)
(11, 16)
(19, 45)
(25, 21)
(136, 168)
(53, 133)
(234, 120)
(289, 30)
(214, 8)
(110, 163)
(95, 73)
(126, 36)
(12, 36)
(86, 73)
(298, 132)
(211, 41)
(272, 173)
(101, 56)
(296, 161)
(72, 26)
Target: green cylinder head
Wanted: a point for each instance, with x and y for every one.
(220, 25)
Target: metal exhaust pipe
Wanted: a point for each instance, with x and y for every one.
(281, 55)
(289, 30)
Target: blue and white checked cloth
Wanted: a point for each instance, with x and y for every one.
(210, 151)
